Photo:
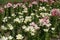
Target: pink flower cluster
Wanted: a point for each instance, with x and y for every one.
(55, 12)
(12, 5)
(45, 21)
(34, 25)
(51, 1)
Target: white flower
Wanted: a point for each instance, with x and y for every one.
(13, 15)
(45, 14)
(52, 28)
(17, 20)
(23, 6)
(22, 19)
(27, 19)
(5, 6)
(20, 16)
(48, 25)
(32, 14)
(10, 37)
(14, 6)
(32, 34)
(3, 27)
(36, 27)
(19, 36)
(9, 17)
(23, 27)
(37, 16)
(5, 19)
(27, 29)
(46, 30)
(31, 28)
(10, 26)
(20, 13)
(42, 8)
(4, 38)
(25, 11)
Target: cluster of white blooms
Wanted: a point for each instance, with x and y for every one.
(6, 38)
(46, 30)
(53, 28)
(25, 10)
(42, 8)
(3, 27)
(19, 37)
(32, 14)
(45, 14)
(19, 20)
(10, 26)
(20, 13)
(4, 19)
(28, 19)
(13, 15)
(31, 29)
(10, 37)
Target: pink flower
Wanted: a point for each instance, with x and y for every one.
(34, 2)
(34, 25)
(51, 1)
(44, 0)
(1, 10)
(17, 4)
(9, 5)
(30, 5)
(44, 21)
(55, 12)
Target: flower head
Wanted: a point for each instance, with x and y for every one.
(44, 21)
(34, 2)
(55, 12)
(9, 5)
(19, 36)
(44, 0)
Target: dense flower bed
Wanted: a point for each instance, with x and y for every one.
(36, 20)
